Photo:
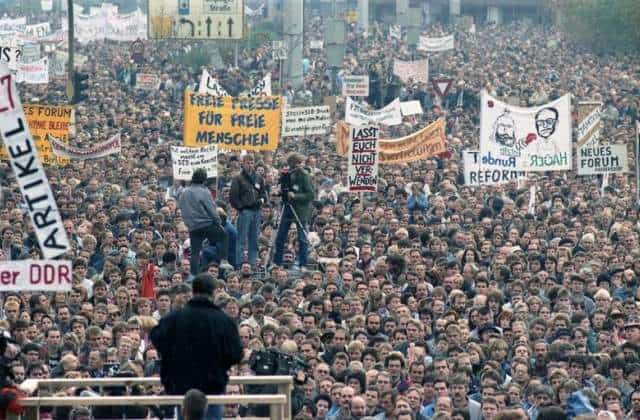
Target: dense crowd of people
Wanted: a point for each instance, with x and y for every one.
(429, 299)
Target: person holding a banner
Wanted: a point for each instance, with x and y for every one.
(248, 193)
(297, 194)
(201, 217)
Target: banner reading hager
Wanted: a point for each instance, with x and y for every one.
(95, 151)
(360, 114)
(233, 123)
(418, 70)
(28, 170)
(422, 144)
(363, 158)
(535, 139)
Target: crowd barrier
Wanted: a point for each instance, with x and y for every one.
(279, 403)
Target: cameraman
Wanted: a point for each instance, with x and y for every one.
(298, 193)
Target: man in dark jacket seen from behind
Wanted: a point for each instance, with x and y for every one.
(197, 344)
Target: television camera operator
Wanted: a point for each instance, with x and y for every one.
(297, 194)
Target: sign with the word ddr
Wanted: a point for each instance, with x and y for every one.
(232, 123)
(35, 275)
(196, 19)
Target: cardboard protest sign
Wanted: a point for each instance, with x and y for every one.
(305, 120)
(232, 123)
(38, 31)
(36, 275)
(589, 124)
(210, 86)
(147, 81)
(417, 70)
(410, 108)
(95, 151)
(30, 53)
(475, 176)
(363, 158)
(33, 73)
(600, 159)
(355, 85)
(316, 44)
(525, 139)
(422, 144)
(360, 114)
(29, 172)
(11, 56)
(45, 120)
(187, 159)
(436, 44)
(262, 87)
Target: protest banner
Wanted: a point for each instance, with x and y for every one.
(30, 52)
(410, 108)
(210, 86)
(187, 159)
(45, 120)
(395, 31)
(417, 70)
(33, 73)
(363, 158)
(422, 144)
(13, 24)
(262, 87)
(105, 23)
(589, 124)
(36, 275)
(525, 139)
(355, 85)
(475, 176)
(360, 114)
(28, 170)
(305, 120)
(147, 81)
(436, 44)
(316, 44)
(233, 123)
(11, 56)
(38, 31)
(95, 151)
(600, 159)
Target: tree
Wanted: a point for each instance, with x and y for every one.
(603, 26)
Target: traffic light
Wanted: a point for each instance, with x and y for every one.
(80, 85)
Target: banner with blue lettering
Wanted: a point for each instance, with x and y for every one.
(536, 139)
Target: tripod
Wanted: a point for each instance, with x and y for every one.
(299, 223)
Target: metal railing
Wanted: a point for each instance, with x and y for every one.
(279, 403)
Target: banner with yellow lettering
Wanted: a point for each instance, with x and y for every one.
(47, 120)
(232, 123)
(422, 144)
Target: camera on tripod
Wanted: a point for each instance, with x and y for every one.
(274, 362)
(285, 183)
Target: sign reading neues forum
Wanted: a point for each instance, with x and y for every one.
(196, 19)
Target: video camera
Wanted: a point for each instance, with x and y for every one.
(274, 362)
(285, 183)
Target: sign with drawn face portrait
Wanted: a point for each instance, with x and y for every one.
(525, 139)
